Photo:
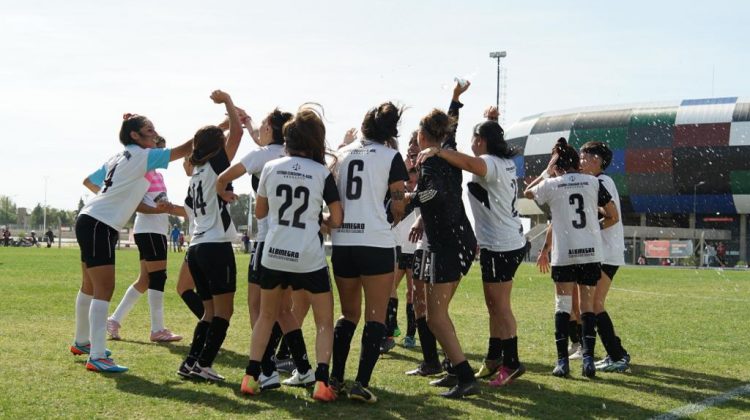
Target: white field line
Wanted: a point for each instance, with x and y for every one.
(691, 409)
(681, 296)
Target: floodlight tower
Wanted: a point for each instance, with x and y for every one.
(498, 55)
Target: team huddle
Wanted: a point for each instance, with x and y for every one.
(387, 217)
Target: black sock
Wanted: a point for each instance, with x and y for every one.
(253, 369)
(296, 343)
(411, 322)
(609, 339)
(447, 365)
(464, 372)
(579, 331)
(510, 353)
(321, 373)
(267, 364)
(370, 351)
(428, 342)
(193, 302)
(214, 339)
(561, 334)
(495, 349)
(283, 352)
(573, 331)
(342, 341)
(389, 325)
(589, 333)
(199, 340)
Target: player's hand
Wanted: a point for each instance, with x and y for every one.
(551, 165)
(426, 154)
(350, 135)
(228, 196)
(416, 232)
(458, 89)
(220, 97)
(492, 113)
(542, 261)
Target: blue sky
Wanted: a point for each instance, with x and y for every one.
(71, 69)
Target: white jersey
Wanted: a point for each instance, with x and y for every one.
(212, 220)
(157, 192)
(574, 201)
(401, 231)
(365, 170)
(493, 203)
(123, 184)
(253, 163)
(613, 237)
(296, 189)
(188, 206)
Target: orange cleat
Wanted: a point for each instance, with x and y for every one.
(323, 392)
(250, 386)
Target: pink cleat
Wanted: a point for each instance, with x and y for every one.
(113, 328)
(164, 336)
(506, 375)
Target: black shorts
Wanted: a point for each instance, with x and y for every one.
(445, 266)
(405, 261)
(213, 269)
(498, 267)
(151, 246)
(354, 261)
(585, 274)
(96, 240)
(610, 270)
(318, 281)
(254, 268)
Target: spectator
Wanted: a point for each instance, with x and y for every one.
(721, 253)
(6, 237)
(710, 255)
(175, 235)
(33, 239)
(246, 242)
(180, 242)
(49, 238)
(641, 260)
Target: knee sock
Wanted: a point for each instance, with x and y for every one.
(427, 341)
(561, 334)
(193, 302)
(342, 341)
(609, 338)
(495, 349)
(267, 364)
(126, 304)
(98, 326)
(510, 353)
(573, 331)
(214, 339)
(370, 351)
(296, 343)
(83, 304)
(199, 340)
(283, 351)
(156, 308)
(464, 372)
(411, 322)
(321, 373)
(589, 333)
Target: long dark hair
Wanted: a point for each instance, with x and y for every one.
(567, 159)
(381, 124)
(599, 149)
(277, 119)
(131, 122)
(437, 125)
(494, 135)
(207, 142)
(306, 133)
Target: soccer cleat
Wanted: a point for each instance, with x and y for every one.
(562, 369)
(164, 336)
(575, 351)
(447, 381)
(249, 386)
(105, 365)
(397, 332)
(323, 392)
(284, 365)
(619, 366)
(301, 379)
(462, 390)
(80, 349)
(207, 373)
(601, 364)
(387, 345)
(113, 328)
(409, 342)
(360, 393)
(339, 388)
(269, 382)
(588, 369)
(425, 369)
(185, 369)
(489, 367)
(507, 375)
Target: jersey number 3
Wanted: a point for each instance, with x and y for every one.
(289, 195)
(577, 200)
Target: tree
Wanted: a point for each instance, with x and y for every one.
(7, 210)
(238, 210)
(80, 205)
(37, 215)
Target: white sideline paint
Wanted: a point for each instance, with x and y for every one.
(690, 409)
(681, 296)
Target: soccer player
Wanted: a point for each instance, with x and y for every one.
(574, 200)
(363, 256)
(210, 255)
(150, 237)
(492, 194)
(291, 193)
(452, 245)
(595, 159)
(97, 230)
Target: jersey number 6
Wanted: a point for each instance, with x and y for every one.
(354, 183)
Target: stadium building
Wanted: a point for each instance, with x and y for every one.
(682, 168)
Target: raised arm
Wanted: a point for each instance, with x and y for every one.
(457, 159)
(91, 186)
(235, 126)
(550, 171)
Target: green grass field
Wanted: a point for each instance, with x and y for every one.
(687, 331)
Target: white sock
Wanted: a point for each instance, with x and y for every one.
(126, 304)
(156, 304)
(83, 302)
(98, 320)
